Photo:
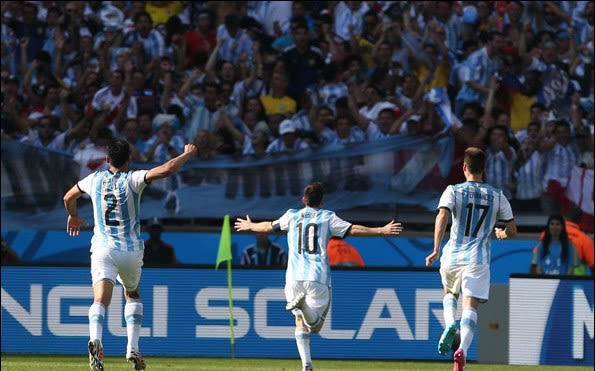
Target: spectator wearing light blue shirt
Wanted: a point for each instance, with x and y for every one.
(481, 66)
(349, 14)
(235, 40)
(287, 141)
(151, 40)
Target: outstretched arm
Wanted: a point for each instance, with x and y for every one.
(248, 225)
(392, 228)
(173, 165)
(439, 230)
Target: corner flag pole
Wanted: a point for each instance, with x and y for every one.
(224, 254)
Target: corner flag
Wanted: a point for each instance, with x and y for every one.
(224, 254)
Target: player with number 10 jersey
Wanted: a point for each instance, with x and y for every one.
(308, 233)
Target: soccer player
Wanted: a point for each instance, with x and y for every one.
(465, 263)
(307, 279)
(116, 246)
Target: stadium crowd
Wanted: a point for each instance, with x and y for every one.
(258, 77)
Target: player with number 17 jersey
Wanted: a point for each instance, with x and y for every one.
(116, 204)
(476, 208)
(308, 232)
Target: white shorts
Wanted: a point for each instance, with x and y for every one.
(123, 266)
(318, 296)
(471, 280)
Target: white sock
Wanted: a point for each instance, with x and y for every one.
(449, 303)
(302, 339)
(133, 313)
(310, 316)
(96, 316)
(468, 326)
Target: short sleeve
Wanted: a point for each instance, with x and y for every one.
(505, 211)
(137, 180)
(86, 184)
(447, 199)
(338, 226)
(282, 224)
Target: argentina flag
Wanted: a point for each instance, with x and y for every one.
(441, 104)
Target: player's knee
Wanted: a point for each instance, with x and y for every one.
(316, 329)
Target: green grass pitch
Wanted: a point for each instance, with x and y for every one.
(79, 363)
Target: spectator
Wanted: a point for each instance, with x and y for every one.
(528, 176)
(342, 254)
(93, 155)
(234, 41)
(302, 61)
(483, 64)
(204, 112)
(157, 251)
(165, 147)
(560, 155)
(131, 135)
(199, 41)
(9, 256)
(264, 252)
(147, 43)
(287, 142)
(555, 253)
(278, 102)
(500, 159)
(114, 101)
(45, 135)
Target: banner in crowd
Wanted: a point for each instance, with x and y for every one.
(580, 188)
(398, 170)
(373, 314)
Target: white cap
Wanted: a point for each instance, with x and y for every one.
(286, 127)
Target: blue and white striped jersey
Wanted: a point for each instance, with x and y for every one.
(475, 208)
(116, 208)
(499, 169)
(529, 178)
(558, 163)
(308, 233)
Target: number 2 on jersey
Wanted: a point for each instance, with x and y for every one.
(484, 212)
(111, 202)
(308, 244)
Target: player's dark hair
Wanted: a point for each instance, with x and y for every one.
(547, 238)
(475, 159)
(118, 152)
(313, 194)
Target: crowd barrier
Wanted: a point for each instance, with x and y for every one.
(399, 170)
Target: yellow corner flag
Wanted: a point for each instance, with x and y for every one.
(224, 252)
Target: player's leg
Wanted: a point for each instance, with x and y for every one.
(129, 276)
(451, 281)
(103, 274)
(475, 288)
(302, 332)
(316, 305)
